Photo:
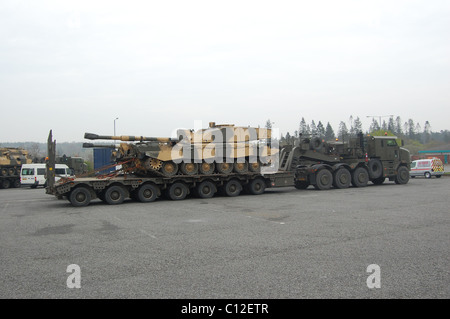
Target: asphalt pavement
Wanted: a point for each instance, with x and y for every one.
(389, 241)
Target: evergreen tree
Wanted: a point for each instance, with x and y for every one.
(375, 126)
(303, 128)
(320, 129)
(357, 125)
(343, 131)
(329, 133)
(313, 128)
(411, 129)
(426, 132)
(391, 125)
(268, 124)
(398, 126)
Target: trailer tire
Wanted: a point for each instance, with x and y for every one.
(232, 188)
(16, 184)
(80, 196)
(402, 176)
(324, 179)
(5, 184)
(360, 177)
(205, 189)
(256, 186)
(147, 193)
(342, 178)
(114, 195)
(177, 191)
(375, 168)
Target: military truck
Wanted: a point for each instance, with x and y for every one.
(311, 161)
(342, 164)
(75, 163)
(11, 160)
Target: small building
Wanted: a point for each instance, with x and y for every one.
(441, 152)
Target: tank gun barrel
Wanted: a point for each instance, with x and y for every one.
(92, 145)
(128, 138)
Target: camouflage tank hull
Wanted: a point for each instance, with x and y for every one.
(220, 149)
(11, 160)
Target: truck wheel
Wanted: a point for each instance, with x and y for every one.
(114, 195)
(301, 185)
(402, 175)
(316, 144)
(177, 191)
(256, 186)
(360, 177)
(205, 189)
(427, 175)
(147, 193)
(324, 179)
(375, 168)
(232, 188)
(80, 196)
(342, 178)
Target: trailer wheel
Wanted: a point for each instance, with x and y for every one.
(342, 178)
(324, 179)
(5, 184)
(205, 189)
(16, 183)
(147, 193)
(256, 186)
(360, 177)
(232, 188)
(114, 195)
(177, 191)
(402, 175)
(80, 196)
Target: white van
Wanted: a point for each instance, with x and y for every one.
(427, 168)
(33, 175)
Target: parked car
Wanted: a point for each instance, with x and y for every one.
(427, 167)
(33, 175)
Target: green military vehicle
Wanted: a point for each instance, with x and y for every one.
(75, 163)
(345, 163)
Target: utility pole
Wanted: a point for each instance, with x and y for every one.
(115, 125)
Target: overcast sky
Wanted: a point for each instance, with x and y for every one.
(74, 66)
